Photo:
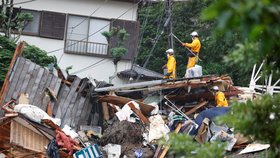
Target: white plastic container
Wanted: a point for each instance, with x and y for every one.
(195, 71)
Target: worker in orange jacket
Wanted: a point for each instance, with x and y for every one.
(221, 100)
(171, 65)
(195, 48)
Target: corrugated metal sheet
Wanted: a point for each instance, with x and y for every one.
(26, 136)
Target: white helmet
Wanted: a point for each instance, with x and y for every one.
(215, 88)
(194, 33)
(171, 51)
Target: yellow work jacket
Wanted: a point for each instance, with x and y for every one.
(194, 46)
(171, 66)
(221, 100)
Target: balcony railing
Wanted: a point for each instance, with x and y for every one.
(85, 48)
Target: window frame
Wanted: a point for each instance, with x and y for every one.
(50, 37)
(40, 18)
(87, 39)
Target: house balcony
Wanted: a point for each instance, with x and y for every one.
(85, 48)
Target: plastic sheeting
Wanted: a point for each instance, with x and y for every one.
(34, 113)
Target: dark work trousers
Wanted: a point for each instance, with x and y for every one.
(210, 114)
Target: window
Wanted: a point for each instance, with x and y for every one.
(52, 25)
(84, 36)
(32, 27)
(45, 24)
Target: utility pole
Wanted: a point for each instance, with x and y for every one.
(170, 32)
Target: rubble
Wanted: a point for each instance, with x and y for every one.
(106, 120)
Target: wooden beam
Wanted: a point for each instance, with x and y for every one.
(198, 106)
(121, 101)
(105, 109)
(139, 113)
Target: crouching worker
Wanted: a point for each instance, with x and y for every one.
(171, 65)
(220, 109)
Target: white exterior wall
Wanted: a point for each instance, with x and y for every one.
(109, 10)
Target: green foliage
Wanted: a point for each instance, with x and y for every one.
(259, 118)
(110, 34)
(38, 56)
(184, 146)
(258, 23)
(186, 18)
(5, 58)
(11, 23)
(6, 43)
(118, 51)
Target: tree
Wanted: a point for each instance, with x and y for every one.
(257, 24)
(11, 21)
(186, 19)
(118, 50)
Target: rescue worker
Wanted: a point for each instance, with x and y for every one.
(171, 65)
(211, 113)
(195, 48)
(221, 100)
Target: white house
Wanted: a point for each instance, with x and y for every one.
(71, 30)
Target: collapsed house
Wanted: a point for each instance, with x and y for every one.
(79, 118)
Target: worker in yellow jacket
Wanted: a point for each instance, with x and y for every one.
(171, 65)
(195, 48)
(221, 100)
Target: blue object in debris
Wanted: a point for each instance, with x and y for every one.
(138, 153)
(89, 152)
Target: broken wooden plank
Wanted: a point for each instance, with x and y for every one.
(121, 101)
(6, 87)
(21, 79)
(77, 116)
(198, 106)
(83, 118)
(45, 99)
(65, 104)
(75, 110)
(66, 120)
(53, 82)
(41, 88)
(57, 86)
(15, 79)
(105, 111)
(49, 109)
(27, 77)
(138, 113)
(61, 100)
(32, 80)
(35, 86)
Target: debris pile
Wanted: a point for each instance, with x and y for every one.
(47, 113)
